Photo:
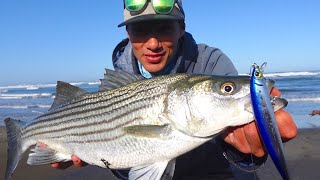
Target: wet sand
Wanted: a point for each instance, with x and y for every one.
(302, 154)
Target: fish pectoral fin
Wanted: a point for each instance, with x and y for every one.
(44, 155)
(159, 170)
(149, 131)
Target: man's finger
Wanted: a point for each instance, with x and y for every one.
(55, 165)
(287, 127)
(275, 92)
(237, 138)
(77, 162)
(61, 165)
(253, 139)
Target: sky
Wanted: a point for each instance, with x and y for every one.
(43, 41)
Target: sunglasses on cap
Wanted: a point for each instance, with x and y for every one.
(159, 6)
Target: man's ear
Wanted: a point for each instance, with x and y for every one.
(182, 31)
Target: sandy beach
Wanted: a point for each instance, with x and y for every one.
(302, 154)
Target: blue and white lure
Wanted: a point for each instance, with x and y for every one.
(265, 119)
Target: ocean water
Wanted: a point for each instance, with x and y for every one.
(301, 89)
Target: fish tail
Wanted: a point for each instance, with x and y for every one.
(15, 148)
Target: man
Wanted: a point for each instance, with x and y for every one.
(157, 44)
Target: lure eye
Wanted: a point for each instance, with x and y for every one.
(227, 88)
(258, 74)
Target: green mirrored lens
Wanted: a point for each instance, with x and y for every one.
(163, 6)
(135, 5)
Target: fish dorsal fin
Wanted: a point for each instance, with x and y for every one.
(156, 171)
(65, 92)
(117, 78)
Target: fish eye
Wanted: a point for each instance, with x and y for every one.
(227, 88)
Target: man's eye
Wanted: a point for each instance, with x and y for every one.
(138, 31)
(165, 28)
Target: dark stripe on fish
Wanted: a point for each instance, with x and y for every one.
(97, 140)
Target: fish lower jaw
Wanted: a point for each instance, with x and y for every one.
(209, 135)
(240, 120)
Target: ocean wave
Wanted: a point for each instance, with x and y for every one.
(37, 112)
(20, 96)
(288, 74)
(37, 86)
(309, 99)
(28, 86)
(85, 83)
(94, 83)
(25, 106)
(32, 88)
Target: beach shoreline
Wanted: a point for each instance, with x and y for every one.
(302, 154)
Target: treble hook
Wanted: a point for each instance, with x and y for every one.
(261, 68)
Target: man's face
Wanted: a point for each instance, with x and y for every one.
(154, 42)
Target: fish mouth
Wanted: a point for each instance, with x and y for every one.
(277, 102)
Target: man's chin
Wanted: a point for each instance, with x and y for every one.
(154, 68)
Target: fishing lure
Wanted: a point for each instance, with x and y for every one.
(265, 119)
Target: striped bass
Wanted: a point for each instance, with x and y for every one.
(132, 123)
(266, 121)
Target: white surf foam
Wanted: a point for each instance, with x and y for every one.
(20, 96)
(37, 86)
(28, 86)
(310, 99)
(32, 88)
(25, 106)
(288, 74)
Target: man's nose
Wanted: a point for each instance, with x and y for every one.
(153, 43)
